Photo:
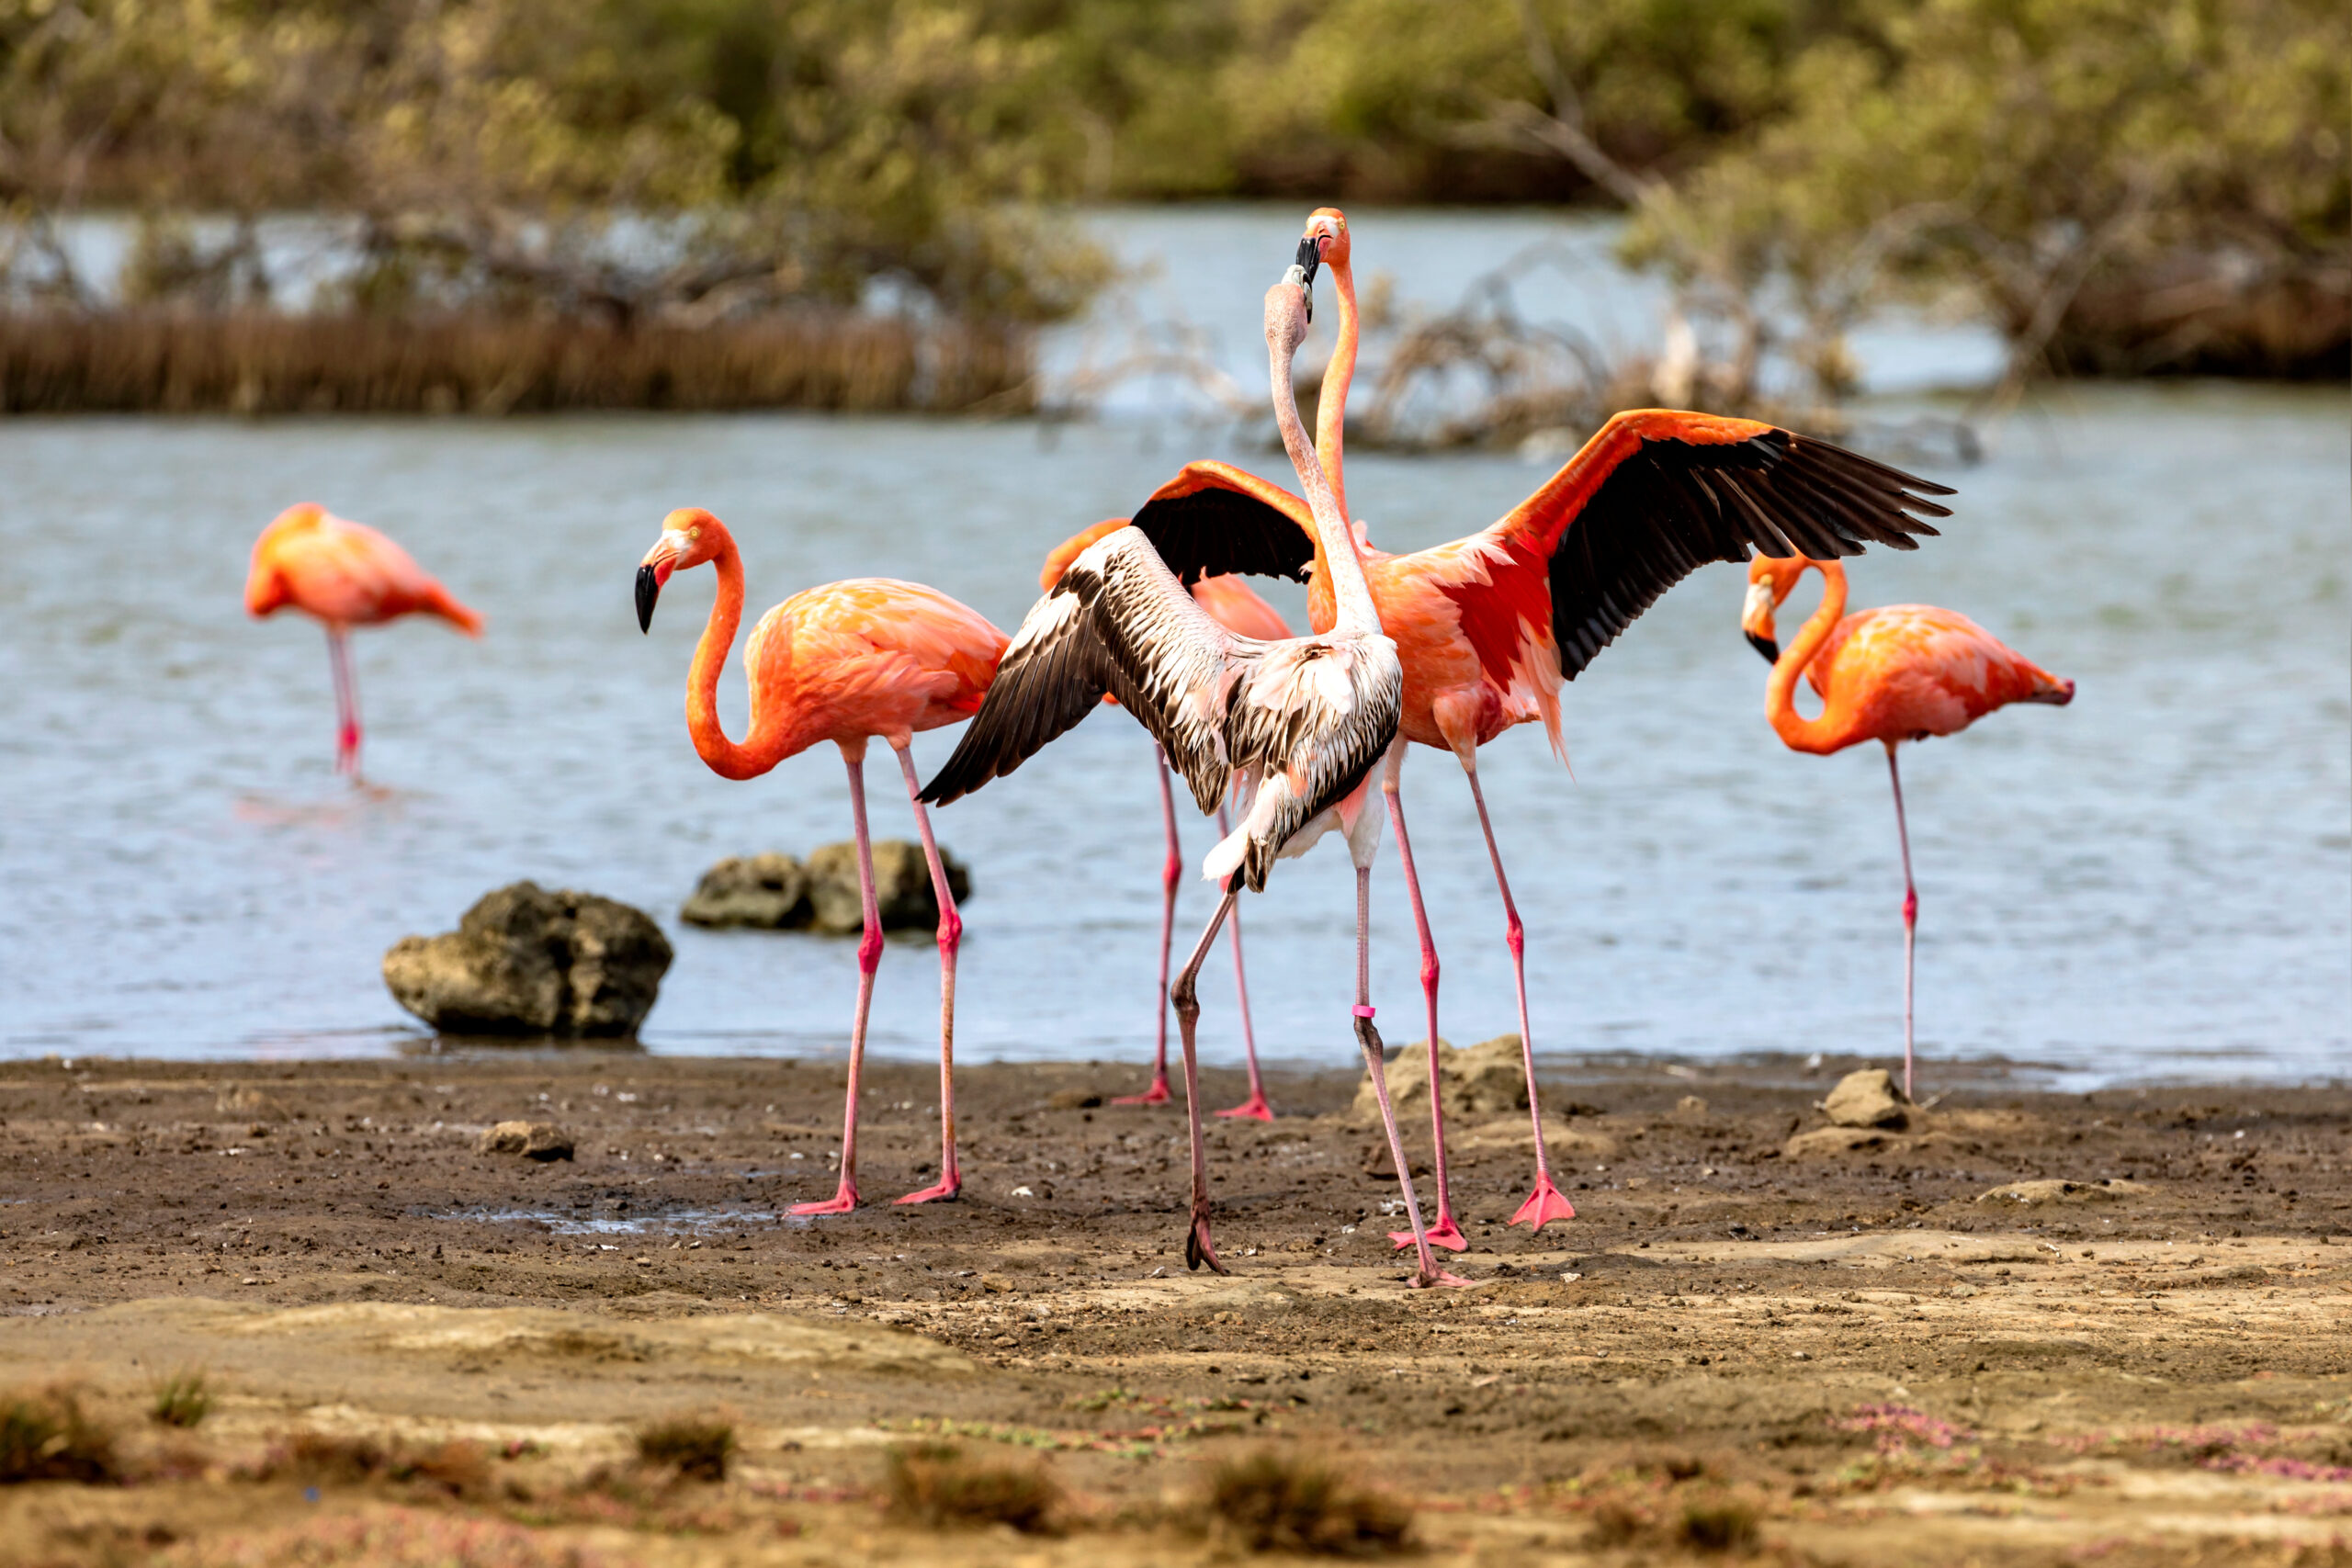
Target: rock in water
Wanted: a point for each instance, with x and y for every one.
(1480, 1081)
(1868, 1099)
(532, 1140)
(769, 892)
(901, 887)
(525, 960)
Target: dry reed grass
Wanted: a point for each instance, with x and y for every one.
(935, 1485)
(265, 363)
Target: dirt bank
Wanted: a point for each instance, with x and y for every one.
(1852, 1357)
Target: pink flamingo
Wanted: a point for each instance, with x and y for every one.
(1487, 626)
(1298, 724)
(345, 575)
(1234, 606)
(844, 662)
(1897, 673)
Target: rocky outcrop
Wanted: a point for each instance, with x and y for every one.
(766, 892)
(901, 887)
(1868, 1099)
(532, 1139)
(527, 961)
(1479, 1081)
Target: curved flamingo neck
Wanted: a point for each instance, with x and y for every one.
(1798, 733)
(765, 745)
(1335, 541)
(1331, 402)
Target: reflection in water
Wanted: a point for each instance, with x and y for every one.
(2156, 880)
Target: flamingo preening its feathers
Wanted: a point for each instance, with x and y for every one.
(343, 574)
(1487, 626)
(1237, 608)
(844, 662)
(1897, 673)
(1298, 722)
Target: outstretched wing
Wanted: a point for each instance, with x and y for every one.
(1214, 519)
(1116, 622)
(1658, 493)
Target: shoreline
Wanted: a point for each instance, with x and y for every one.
(1846, 1344)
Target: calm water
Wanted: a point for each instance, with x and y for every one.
(2157, 882)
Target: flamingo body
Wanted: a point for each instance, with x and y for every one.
(844, 662)
(1900, 673)
(343, 573)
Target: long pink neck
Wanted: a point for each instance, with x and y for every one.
(1331, 403)
(1798, 733)
(769, 740)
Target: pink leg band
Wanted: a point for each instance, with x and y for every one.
(1365, 1012)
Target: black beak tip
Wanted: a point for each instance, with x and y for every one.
(648, 589)
(1763, 644)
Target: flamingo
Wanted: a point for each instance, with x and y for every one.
(1488, 625)
(1236, 607)
(844, 662)
(1298, 723)
(1897, 673)
(344, 574)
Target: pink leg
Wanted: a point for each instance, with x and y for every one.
(1255, 1108)
(1428, 1273)
(1171, 871)
(1547, 1202)
(1443, 1232)
(1910, 913)
(951, 937)
(870, 958)
(346, 702)
(1199, 1246)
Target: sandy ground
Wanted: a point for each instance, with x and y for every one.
(1859, 1353)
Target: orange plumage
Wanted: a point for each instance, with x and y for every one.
(346, 574)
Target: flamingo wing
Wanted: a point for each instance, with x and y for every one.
(1658, 493)
(1118, 622)
(1214, 519)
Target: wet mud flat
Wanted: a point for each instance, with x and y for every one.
(2028, 1327)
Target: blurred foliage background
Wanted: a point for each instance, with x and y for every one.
(2122, 186)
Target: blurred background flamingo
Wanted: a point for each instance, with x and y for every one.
(1233, 604)
(1897, 673)
(843, 662)
(1489, 625)
(345, 575)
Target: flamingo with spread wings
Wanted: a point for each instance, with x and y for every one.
(1236, 607)
(1301, 722)
(1899, 672)
(1487, 626)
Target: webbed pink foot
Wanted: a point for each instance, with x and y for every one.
(841, 1202)
(1543, 1206)
(1255, 1108)
(1444, 1233)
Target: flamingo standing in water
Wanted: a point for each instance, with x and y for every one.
(1302, 721)
(345, 575)
(843, 662)
(1897, 673)
(1487, 626)
(1236, 607)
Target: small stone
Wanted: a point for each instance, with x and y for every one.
(1963, 1290)
(766, 892)
(1824, 1143)
(1690, 1108)
(902, 891)
(1868, 1099)
(2034, 1194)
(1073, 1100)
(532, 1140)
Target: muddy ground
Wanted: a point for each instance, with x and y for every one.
(1790, 1354)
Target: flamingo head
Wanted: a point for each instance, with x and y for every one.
(1325, 242)
(689, 537)
(1770, 580)
(265, 587)
(1288, 304)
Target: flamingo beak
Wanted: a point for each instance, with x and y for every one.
(1309, 258)
(650, 578)
(1756, 621)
